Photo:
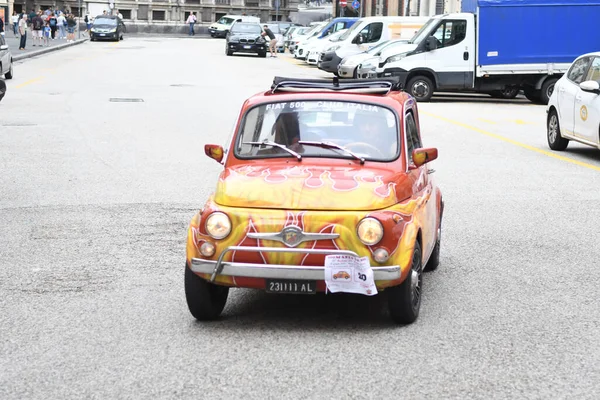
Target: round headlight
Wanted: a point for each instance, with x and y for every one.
(218, 225)
(369, 231)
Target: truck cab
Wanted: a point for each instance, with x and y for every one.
(223, 25)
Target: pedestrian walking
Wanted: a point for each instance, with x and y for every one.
(23, 32)
(37, 28)
(15, 23)
(272, 41)
(71, 23)
(191, 21)
(53, 25)
(61, 21)
(88, 23)
(47, 34)
(1, 27)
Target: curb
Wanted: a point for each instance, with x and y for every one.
(19, 57)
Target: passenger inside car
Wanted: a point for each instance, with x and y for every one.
(373, 129)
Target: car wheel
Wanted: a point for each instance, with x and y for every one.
(2, 89)
(547, 90)
(9, 74)
(506, 93)
(404, 301)
(263, 54)
(205, 300)
(555, 140)
(532, 95)
(421, 88)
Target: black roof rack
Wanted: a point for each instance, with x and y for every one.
(365, 86)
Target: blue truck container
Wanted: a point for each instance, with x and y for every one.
(468, 6)
(535, 31)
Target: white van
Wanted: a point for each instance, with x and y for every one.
(222, 26)
(366, 33)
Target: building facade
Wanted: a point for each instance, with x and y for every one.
(167, 12)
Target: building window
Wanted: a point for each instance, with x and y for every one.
(227, 2)
(192, 2)
(142, 13)
(158, 15)
(126, 13)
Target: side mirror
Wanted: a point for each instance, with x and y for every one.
(359, 39)
(215, 152)
(590, 86)
(423, 156)
(4, 47)
(431, 43)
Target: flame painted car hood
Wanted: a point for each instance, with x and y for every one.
(311, 187)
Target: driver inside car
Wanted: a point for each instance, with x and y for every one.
(376, 133)
(287, 131)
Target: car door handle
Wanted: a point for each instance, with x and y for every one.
(578, 98)
(466, 56)
(561, 90)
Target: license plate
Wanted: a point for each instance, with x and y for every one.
(247, 47)
(103, 34)
(292, 287)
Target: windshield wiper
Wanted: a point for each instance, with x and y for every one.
(329, 145)
(269, 143)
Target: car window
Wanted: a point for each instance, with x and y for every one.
(225, 21)
(413, 141)
(368, 130)
(451, 32)
(594, 72)
(578, 70)
(372, 32)
(246, 28)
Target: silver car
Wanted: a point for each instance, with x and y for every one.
(366, 69)
(348, 67)
(6, 61)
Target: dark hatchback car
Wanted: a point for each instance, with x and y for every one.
(109, 27)
(245, 37)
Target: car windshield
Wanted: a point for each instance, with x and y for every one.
(314, 31)
(390, 46)
(246, 28)
(332, 129)
(349, 32)
(274, 28)
(424, 31)
(105, 21)
(225, 21)
(376, 49)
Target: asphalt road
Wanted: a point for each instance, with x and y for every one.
(96, 196)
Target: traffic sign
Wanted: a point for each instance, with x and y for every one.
(356, 4)
(343, 3)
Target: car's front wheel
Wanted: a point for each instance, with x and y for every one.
(205, 300)
(555, 140)
(421, 88)
(9, 74)
(404, 301)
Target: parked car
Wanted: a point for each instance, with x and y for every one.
(223, 25)
(312, 53)
(349, 65)
(319, 177)
(108, 27)
(574, 106)
(6, 60)
(291, 33)
(245, 37)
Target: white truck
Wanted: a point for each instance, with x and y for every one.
(498, 48)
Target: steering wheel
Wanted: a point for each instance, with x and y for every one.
(365, 145)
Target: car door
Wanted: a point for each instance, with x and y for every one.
(4, 57)
(587, 108)
(451, 59)
(421, 185)
(568, 90)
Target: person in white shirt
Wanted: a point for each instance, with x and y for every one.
(191, 21)
(15, 22)
(61, 21)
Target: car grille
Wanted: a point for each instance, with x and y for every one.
(247, 41)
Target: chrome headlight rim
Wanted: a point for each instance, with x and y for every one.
(217, 214)
(369, 220)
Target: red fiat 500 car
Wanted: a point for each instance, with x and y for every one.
(320, 177)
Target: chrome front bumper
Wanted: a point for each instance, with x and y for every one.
(274, 271)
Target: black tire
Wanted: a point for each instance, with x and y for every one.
(532, 95)
(555, 140)
(263, 54)
(404, 300)
(547, 90)
(9, 74)
(421, 88)
(2, 89)
(227, 51)
(205, 300)
(506, 93)
(355, 73)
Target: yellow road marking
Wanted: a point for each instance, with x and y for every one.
(487, 121)
(29, 82)
(521, 122)
(514, 142)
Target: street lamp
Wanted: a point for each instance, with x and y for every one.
(79, 22)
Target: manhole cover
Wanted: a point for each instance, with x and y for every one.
(182, 85)
(125, 100)
(128, 48)
(18, 124)
(54, 94)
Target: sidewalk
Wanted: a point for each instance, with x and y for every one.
(31, 50)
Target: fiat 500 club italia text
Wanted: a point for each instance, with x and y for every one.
(325, 188)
